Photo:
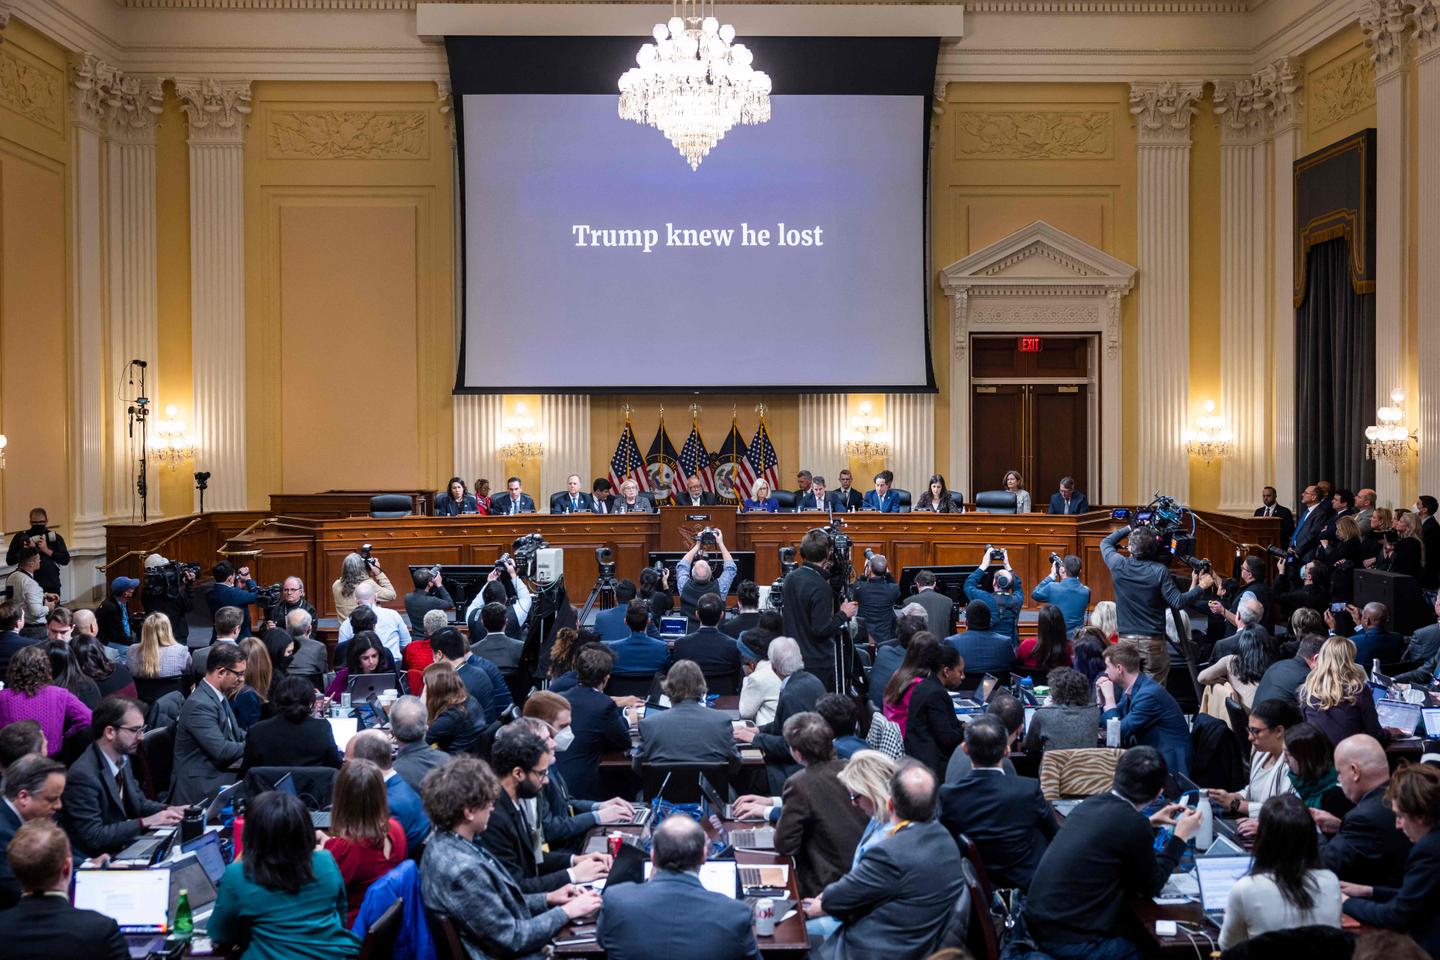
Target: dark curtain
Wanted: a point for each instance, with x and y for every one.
(1334, 372)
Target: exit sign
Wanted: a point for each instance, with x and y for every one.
(1030, 344)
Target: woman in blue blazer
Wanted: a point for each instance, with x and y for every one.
(760, 499)
(455, 500)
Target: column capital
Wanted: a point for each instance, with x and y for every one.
(1384, 23)
(215, 109)
(1281, 87)
(141, 101)
(1239, 111)
(94, 91)
(1163, 110)
(1425, 16)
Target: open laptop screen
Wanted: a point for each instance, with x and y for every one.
(1217, 875)
(134, 899)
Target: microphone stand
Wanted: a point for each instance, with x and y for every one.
(139, 412)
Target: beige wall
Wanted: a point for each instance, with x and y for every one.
(172, 301)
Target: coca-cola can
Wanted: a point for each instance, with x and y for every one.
(764, 917)
(615, 840)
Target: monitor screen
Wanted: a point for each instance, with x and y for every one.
(134, 899)
(344, 728)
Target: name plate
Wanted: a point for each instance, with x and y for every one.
(697, 516)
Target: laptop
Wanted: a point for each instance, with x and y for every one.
(319, 819)
(217, 805)
(1216, 876)
(363, 684)
(148, 849)
(372, 713)
(759, 838)
(674, 627)
(344, 728)
(190, 875)
(207, 850)
(1399, 715)
(134, 899)
(980, 697)
(726, 811)
(1432, 721)
(627, 867)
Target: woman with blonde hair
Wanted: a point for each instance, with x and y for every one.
(1335, 699)
(252, 703)
(355, 570)
(867, 775)
(1342, 555)
(1014, 483)
(157, 655)
(364, 839)
(1103, 618)
(456, 718)
(760, 499)
(1406, 553)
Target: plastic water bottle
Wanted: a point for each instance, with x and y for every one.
(1205, 836)
(1375, 668)
(1112, 732)
(184, 923)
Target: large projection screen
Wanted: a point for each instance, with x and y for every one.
(595, 259)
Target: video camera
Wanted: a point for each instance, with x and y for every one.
(269, 598)
(842, 572)
(170, 579)
(605, 561)
(524, 551)
(1167, 519)
(788, 565)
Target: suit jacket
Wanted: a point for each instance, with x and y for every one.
(830, 502)
(11, 643)
(798, 693)
(939, 610)
(640, 653)
(812, 619)
(610, 624)
(1415, 907)
(1287, 521)
(638, 921)
(208, 742)
(898, 899)
(9, 886)
(414, 760)
(932, 731)
(852, 499)
(643, 504)
(871, 501)
(1368, 849)
(500, 650)
(819, 826)
(1377, 645)
(43, 926)
(277, 742)
(502, 505)
(95, 816)
(1282, 680)
(447, 506)
(1149, 715)
(1307, 530)
(602, 504)
(707, 499)
(311, 659)
(1078, 503)
(715, 654)
(1430, 537)
(560, 503)
(507, 837)
(689, 732)
(1007, 817)
(599, 727)
(984, 651)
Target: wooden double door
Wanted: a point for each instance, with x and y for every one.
(1031, 412)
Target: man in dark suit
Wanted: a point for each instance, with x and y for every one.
(899, 898)
(1148, 714)
(31, 790)
(695, 495)
(1426, 507)
(43, 923)
(689, 732)
(522, 765)
(809, 609)
(596, 722)
(1424, 645)
(819, 826)
(939, 608)
(747, 598)
(610, 624)
(1313, 516)
(640, 919)
(209, 741)
(876, 593)
(1068, 500)
(799, 692)
(1271, 507)
(984, 650)
(602, 496)
(1375, 641)
(12, 621)
(495, 645)
(1365, 847)
(572, 499)
(512, 502)
(1282, 679)
(413, 756)
(714, 652)
(849, 497)
(1007, 817)
(638, 652)
(818, 498)
(105, 810)
(882, 498)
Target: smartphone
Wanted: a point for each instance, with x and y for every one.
(1337, 607)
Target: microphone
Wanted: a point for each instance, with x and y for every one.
(140, 363)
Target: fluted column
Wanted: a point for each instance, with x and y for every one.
(565, 423)
(89, 77)
(1163, 112)
(910, 421)
(1243, 219)
(823, 423)
(1385, 27)
(216, 112)
(479, 424)
(1426, 20)
(130, 254)
(1282, 94)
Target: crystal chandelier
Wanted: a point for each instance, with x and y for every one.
(1209, 440)
(867, 441)
(522, 441)
(1389, 439)
(173, 444)
(694, 83)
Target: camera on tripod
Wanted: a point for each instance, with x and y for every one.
(605, 561)
(170, 579)
(1166, 518)
(788, 565)
(525, 549)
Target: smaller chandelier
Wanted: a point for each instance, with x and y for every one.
(1209, 440)
(694, 83)
(4, 442)
(522, 441)
(173, 444)
(1389, 439)
(867, 440)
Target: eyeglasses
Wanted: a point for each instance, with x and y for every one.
(1256, 731)
(138, 728)
(237, 674)
(542, 774)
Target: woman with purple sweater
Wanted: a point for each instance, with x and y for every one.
(31, 694)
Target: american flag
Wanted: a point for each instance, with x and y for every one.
(762, 458)
(627, 464)
(695, 459)
(733, 476)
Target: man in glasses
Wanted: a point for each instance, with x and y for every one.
(209, 741)
(104, 810)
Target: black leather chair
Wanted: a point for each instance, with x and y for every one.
(388, 506)
(380, 939)
(683, 783)
(630, 684)
(957, 500)
(157, 757)
(904, 499)
(150, 689)
(1239, 722)
(445, 936)
(984, 942)
(787, 499)
(995, 501)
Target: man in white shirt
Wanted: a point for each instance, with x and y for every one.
(389, 624)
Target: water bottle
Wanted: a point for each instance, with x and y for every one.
(184, 923)
(1112, 732)
(1206, 834)
(1375, 668)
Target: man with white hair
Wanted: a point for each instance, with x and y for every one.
(389, 624)
(309, 659)
(1249, 617)
(695, 578)
(413, 756)
(799, 691)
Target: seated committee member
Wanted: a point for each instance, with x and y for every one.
(104, 808)
(689, 732)
(209, 741)
(818, 825)
(1413, 908)
(572, 499)
(695, 495)
(882, 498)
(513, 501)
(294, 736)
(1014, 483)
(482, 496)
(1067, 499)
(1104, 855)
(816, 498)
(31, 694)
(355, 570)
(1286, 887)
(1007, 816)
(760, 499)
(42, 924)
(455, 500)
(31, 789)
(847, 494)
(1148, 714)
(463, 882)
(286, 898)
(638, 653)
(899, 896)
(631, 500)
(936, 498)
(638, 922)
(602, 496)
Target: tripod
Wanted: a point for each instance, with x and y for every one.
(601, 595)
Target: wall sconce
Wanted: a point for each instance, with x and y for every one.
(1209, 439)
(173, 444)
(867, 440)
(4, 442)
(1389, 439)
(522, 441)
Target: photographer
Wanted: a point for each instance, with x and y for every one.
(429, 594)
(167, 589)
(232, 588)
(292, 598)
(355, 570)
(809, 609)
(1003, 594)
(1064, 589)
(53, 552)
(694, 578)
(876, 592)
(26, 590)
(1252, 584)
(1144, 591)
(495, 591)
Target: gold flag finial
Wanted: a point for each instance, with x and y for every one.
(761, 408)
(694, 411)
(628, 410)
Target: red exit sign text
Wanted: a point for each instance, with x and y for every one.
(1030, 344)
